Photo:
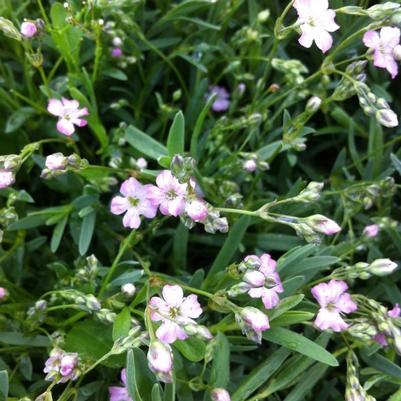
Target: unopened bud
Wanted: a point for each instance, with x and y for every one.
(220, 394)
(128, 290)
(382, 267)
(160, 358)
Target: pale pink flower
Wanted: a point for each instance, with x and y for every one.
(174, 311)
(169, 194)
(28, 29)
(316, 20)
(384, 44)
(333, 300)
(7, 178)
(220, 394)
(160, 359)
(250, 165)
(252, 323)
(371, 230)
(134, 203)
(56, 161)
(69, 114)
(196, 209)
(265, 282)
(222, 100)
(120, 393)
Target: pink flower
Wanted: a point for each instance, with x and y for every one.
(28, 29)
(322, 224)
(333, 300)
(316, 21)
(69, 114)
(222, 101)
(371, 230)
(120, 393)
(220, 394)
(62, 366)
(7, 178)
(395, 312)
(383, 45)
(116, 52)
(174, 311)
(196, 209)
(56, 161)
(169, 194)
(160, 359)
(252, 323)
(3, 293)
(265, 282)
(134, 203)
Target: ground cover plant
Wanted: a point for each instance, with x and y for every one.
(199, 200)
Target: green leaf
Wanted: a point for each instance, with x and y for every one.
(380, 363)
(139, 377)
(144, 143)
(292, 317)
(176, 135)
(58, 234)
(228, 250)
(220, 374)
(286, 304)
(18, 119)
(86, 233)
(157, 393)
(258, 376)
(192, 348)
(122, 324)
(294, 256)
(16, 338)
(3, 385)
(169, 392)
(396, 162)
(297, 342)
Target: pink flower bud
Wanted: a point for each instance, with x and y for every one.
(255, 318)
(116, 52)
(196, 209)
(160, 360)
(7, 178)
(56, 161)
(68, 363)
(141, 163)
(371, 231)
(322, 224)
(395, 312)
(250, 165)
(220, 394)
(255, 278)
(28, 29)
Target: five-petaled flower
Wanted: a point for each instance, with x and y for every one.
(383, 44)
(333, 300)
(169, 194)
(174, 311)
(222, 100)
(69, 114)
(316, 20)
(134, 203)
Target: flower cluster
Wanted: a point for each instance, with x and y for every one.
(259, 280)
(62, 366)
(57, 163)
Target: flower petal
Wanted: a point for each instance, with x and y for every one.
(55, 107)
(190, 307)
(119, 205)
(66, 127)
(173, 295)
(131, 219)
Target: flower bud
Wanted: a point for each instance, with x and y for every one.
(160, 358)
(382, 267)
(116, 52)
(371, 231)
(196, 209)
(382, 11)
(252, 323)
(322, 224)
(250, 165)
(220, 394)
(7, 178)
(387, 117)
(311, 193)
(56, 161)
(141, 163)
(128, 290)
(255, 278)
(28, 29)
(313, 104)
(117, 41)
(3, 294)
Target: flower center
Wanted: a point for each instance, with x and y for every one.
(312, 21)
(133, 201)
(170, 195)
(173, 312)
